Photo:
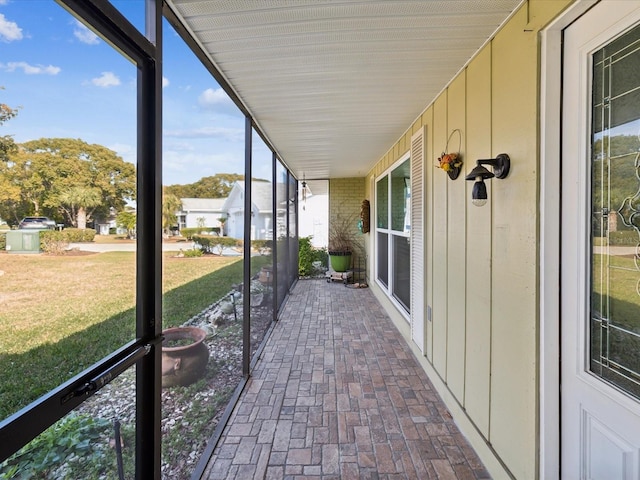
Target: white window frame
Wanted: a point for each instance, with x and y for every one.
(388, 290)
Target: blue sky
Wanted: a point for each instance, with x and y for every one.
(69, 83)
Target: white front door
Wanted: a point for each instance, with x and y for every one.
(600, 247)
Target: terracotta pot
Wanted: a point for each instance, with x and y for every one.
(184, 363)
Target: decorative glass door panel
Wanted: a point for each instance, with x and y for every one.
(615, 210)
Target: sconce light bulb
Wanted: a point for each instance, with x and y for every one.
(479, 193)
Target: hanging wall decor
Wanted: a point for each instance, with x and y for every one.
(364, 216)
(451, 162)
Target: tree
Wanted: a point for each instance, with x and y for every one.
(9, 192)
(127, 219)
(170, 206)
(222, 221)
(24, 185)
(77, 200)
(216, 186)
(67, 178)
(7, 145)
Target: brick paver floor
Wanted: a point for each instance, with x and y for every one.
(338, 394)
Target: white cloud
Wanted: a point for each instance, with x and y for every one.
(126, 151)
(9, 31)
(231, 134)
(30, 69)
(107, 79)
(165, 82)
(82, 33)
(211, 97)
(180, 147)
(180, 167)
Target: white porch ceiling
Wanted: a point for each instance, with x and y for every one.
(334, 84)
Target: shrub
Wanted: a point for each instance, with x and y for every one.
(262, 246)
(54, 241)
(4, 228)
(308, 255)
(79, 437)
(193, 252)
(57, 241)
(80, 235)
(189, 233)
(623, 237)
(322, 256)
(215, 245)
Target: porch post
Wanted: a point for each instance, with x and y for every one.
(246, 285)
(274, 230)
(149, 251)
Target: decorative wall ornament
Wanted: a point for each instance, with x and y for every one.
(451, 162)
(364, 216)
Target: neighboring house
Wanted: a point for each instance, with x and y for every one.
(201, 212)
(261, 211)
(104, 225)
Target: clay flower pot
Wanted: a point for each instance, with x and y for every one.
(184, 355)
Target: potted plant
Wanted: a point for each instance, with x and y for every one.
(341, 242)
(451, 162)
(184, 355)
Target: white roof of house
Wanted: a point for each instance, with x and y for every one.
(202, 204)
(261, 195)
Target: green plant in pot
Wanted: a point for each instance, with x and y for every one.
(341, 243)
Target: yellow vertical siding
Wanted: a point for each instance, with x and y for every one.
(456, 240)
(514, 239)
(482, 262)
(478, 247)
(440, 244)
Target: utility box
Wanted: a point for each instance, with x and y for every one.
(23, 241)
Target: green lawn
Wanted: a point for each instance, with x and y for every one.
(616, 297)
(619, 285)
(61, 314)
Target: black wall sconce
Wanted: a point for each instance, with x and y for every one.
(501, 165)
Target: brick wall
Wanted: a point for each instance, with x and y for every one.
(345, 199)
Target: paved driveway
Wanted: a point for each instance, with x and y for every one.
(131, 247)
(124, 247)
